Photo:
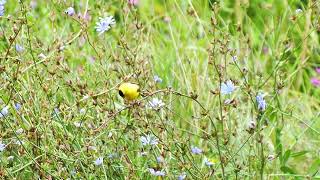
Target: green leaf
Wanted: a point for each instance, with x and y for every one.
(314, 167)
(286, 156)
(300, 153)
(287, 169)
(278, 143)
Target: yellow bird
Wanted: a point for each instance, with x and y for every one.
(129, 91)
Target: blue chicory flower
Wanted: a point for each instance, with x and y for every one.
(196, 150)
(104, 24)
(227, 87)
(262, 105)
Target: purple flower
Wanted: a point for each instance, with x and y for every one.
(262, 105)
(2, 146)
(4, 111)
(182, 176)
(1, 10)
(98, 161)
(19, 48)
(70, 11)
(315, 81)
(133, 2)
(17, 106)
(157, 79)
(318, 70)
(160, 159)
(2, 3)
(196, 150)
(234, 59)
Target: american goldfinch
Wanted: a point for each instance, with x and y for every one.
(129, 91)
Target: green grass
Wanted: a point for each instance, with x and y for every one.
(277, 51)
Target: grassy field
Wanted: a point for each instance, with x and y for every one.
(229, 89)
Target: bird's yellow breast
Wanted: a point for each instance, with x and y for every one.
(129, 91)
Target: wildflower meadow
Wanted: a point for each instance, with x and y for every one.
(160, 89)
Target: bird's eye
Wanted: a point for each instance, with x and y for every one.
(121, 93)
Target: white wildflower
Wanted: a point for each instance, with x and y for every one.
(143, 153)
(149, 140)
(19, 131)
(227, 101)
(157, 172)
(82, 111)
(298, 11)
(42, 56)
(92, 148)
(156, 103)
(77, 124)
(10, 158)
(18, 142)
(110, 134)
(252, 124)
(85, 97)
